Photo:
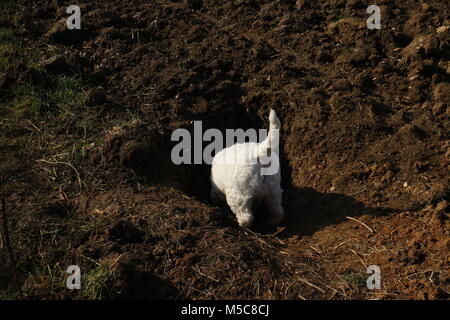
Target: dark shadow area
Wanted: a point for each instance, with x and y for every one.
(7, 279)
(308, 210)
(142, 285)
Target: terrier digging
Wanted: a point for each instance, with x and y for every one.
(245, 176)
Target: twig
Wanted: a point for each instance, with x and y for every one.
(257, 237)
(358, 192)
(315, 249)
(431, 277)
(360, 258)
(67, 164)
(342, 243)
(8, 245)
(205, 275)
(311, 284)
(32, 124)
(362, 223)
(416, 273)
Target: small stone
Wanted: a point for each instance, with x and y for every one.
(442, 206)
(421, 46)
(442, 29)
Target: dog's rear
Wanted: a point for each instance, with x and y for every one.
(240, 184)
(272, 139)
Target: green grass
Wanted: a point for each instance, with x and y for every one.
(4, 62)
(59, 103)
(99, 282)
(65, 94)
(96, 284)
(9, 294)
(8, 48)
(6, 35)
(47, 281)
(356, 279)
(65, 97)
(25, 102)
(68, 92)
(53, 121)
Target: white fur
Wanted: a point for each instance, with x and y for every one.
(240, 183)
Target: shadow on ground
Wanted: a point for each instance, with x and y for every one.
(308, 210)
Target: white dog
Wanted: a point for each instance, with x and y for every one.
(240, 177)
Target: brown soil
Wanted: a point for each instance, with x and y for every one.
(365, 118)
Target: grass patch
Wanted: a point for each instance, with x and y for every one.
(64, 94)
(9, 294)
(48, 120)
(67, 93)
(26, 102)
(99, 282)
(8, 48)
(65, 97)
(356, 279)
(96, 284)
(47, 282)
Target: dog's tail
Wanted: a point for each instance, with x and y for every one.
(273, 137)
(274, 121)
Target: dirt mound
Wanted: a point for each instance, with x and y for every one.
(136, 147)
